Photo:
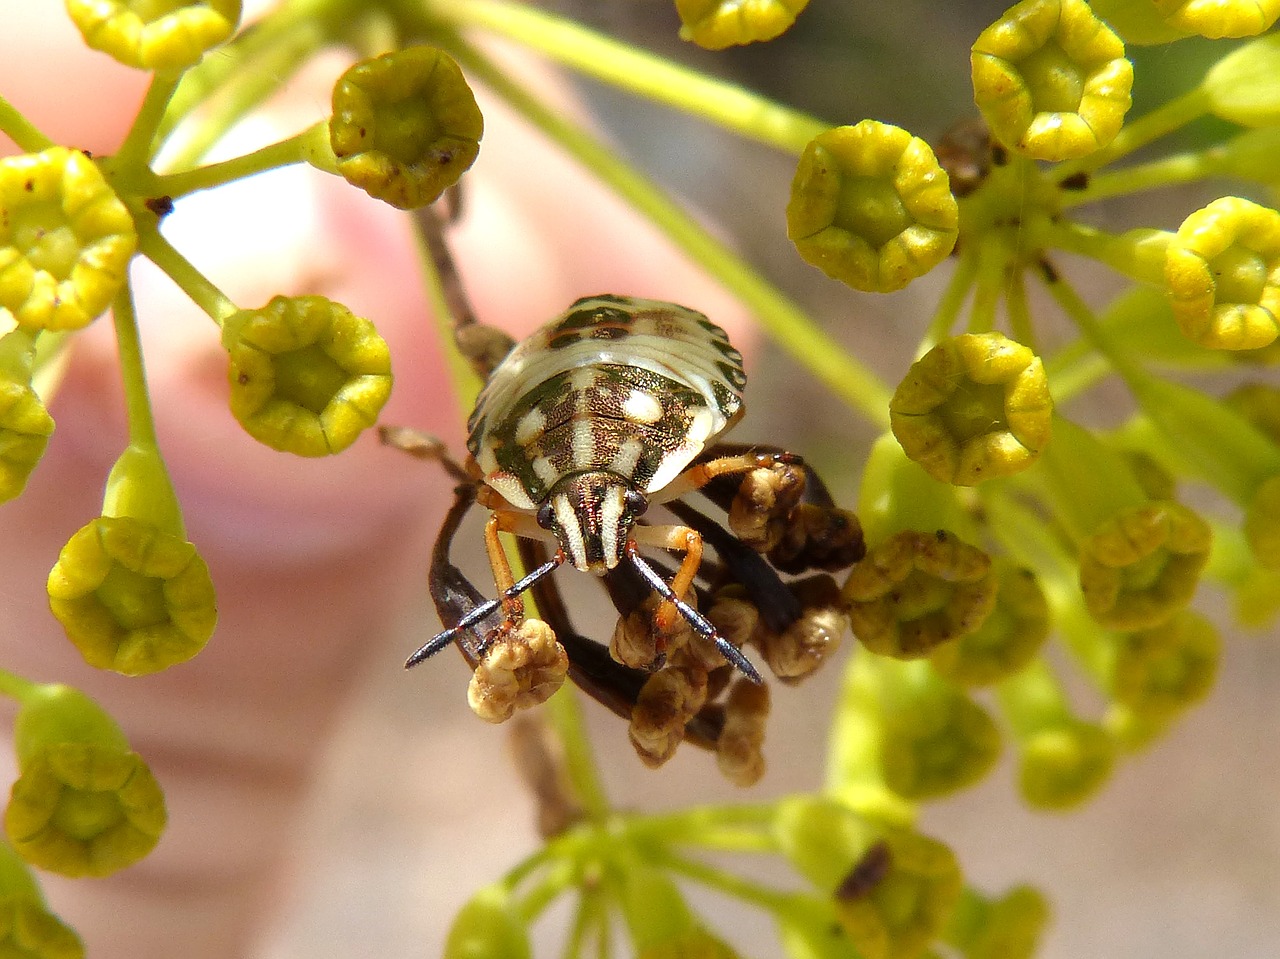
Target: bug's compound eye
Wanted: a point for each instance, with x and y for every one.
(635, 503)
(546, 515)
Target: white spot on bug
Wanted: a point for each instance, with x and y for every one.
(627, 458)
(545, 470)
(640, 407)
(583, 379)
(583, 444)
(570, 530)
(702, 425)
(532, 425)
(510, 489)
(487, 460)
(610, 522)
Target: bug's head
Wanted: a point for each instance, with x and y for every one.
(592, 514)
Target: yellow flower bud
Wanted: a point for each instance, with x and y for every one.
(489, 926)
(1217, 19)
(716, 24)
(916, 590)
(1051, 79)
(405, 126)
(25, 428)
(28, 930)
(1138, 21)
(1223, 275)
(65, 240)
(521, 668)
(1009, 927)
(131, 597)
(975, 407)
(871, 207)
(1143, 565)
(307, 375)
(155, 36)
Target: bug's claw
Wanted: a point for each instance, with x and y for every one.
(431, 647)
(735, 656)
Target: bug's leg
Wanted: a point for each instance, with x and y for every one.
(424, 446)
(705, 471)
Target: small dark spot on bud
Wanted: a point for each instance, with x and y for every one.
(1077, 181)
(161, 206)
(867, 873)
(999, 155)
(29, 186)
(940, 535)
(1048, 272)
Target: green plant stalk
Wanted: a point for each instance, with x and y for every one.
(294, 149)
(142, 427)
(782, 319)
(197, 287)
(1165, 172)
(565, 713)
(18, 688)
(743, 828)
(637, 71)
(721, 880)
(21, 130)
(140, 142)
(951, 301)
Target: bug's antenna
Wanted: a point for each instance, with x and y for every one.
(700, 623)
(443, 639)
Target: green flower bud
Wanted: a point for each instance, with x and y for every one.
(1009, 927)
(155, 36)
(65, 240)
(25, 424)
(660, 922)
(1222, 270)
(697, 943)
(1143, 565)
(1262, 524)
(716, 24)
(132, 597)
(405, 126)
(823, 838)
(1051, 79)
(934, 740)
(523, 667)
(1159, 672)
(1259, 403)
(808, 929)
(84, 804)
(975, 407)
(1009, 639)
(871, 207)
(1244, 86)
(307, 375)
(488, 927)
(1220, 18)
(1063, 760)
(1248, 156)
(915, 591)
(28, 930)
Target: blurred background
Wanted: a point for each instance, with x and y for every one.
(1178, 858)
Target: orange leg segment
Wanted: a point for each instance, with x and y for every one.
(680, 538)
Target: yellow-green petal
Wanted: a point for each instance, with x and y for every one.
(1051, 79)
(132, 598)
(65, 240)
(870, 206)
(155, 34)
(716, 24)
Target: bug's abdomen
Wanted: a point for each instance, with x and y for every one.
(635, 387)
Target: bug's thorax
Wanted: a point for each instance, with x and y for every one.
(591, 514)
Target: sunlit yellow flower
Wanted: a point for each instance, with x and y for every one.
(65, 239)
(1051, 79)
(1008, 927)
(307, 375)
(975, 407)
(405, 126)
(1223, 275)
(25, 428)
(870, 206)
(716, 24)
(169, 35)
(1216, 19)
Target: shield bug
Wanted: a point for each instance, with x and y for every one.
(583, 426)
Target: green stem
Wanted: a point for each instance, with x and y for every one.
(953, 297)
(294, 149)
(735, 886)
(589, 916)
(782, 319)
(191, 281)
(142, 428)
(139, 143)
(565, 715)
(638, 71)
(723, 828)
(21, 130)
(548, 890)
(989, 283)
(1139, 254)
(1169, 171)
(16, 687)
(1020, 322)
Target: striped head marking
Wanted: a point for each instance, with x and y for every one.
(591, 514)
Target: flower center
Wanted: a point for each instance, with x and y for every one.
(134, 599)
(42, 232)
(403, 126)
(85, 815)
(1054, 81)
(871, 208)
(1241, 275)
(974, 409)
(308, 377)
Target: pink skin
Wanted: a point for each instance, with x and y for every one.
(313, 560)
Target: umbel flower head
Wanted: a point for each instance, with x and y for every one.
(975, 407)
(171, 35)
(1008, 640)
(84, 804)
(306, 374)
(716, 24)
(405, 126)
(65, 240)
(1051, 79)
(871, 207)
